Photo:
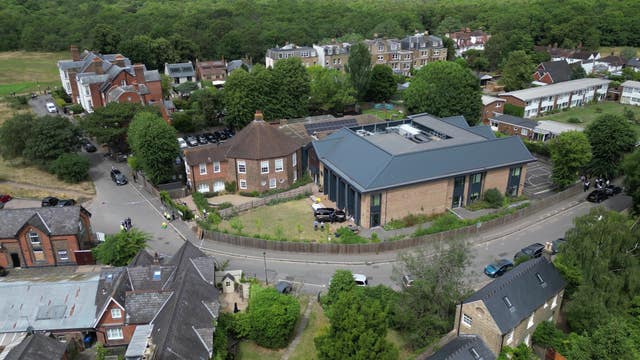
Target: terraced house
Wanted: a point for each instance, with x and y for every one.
(421, 164)
(307, 54)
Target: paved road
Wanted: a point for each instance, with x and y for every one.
(38, 105)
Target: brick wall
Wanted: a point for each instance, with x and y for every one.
(490, 109)
(513, 100)
(482, 324)
(107, 321)
(256, 181)
(433, 197)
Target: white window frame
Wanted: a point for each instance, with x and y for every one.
(242, 167)
(115, 333)
(216, 167)
(116, 313)
(203, 187)
(510, 337)
(380, 58)
(203, 168)
(524, 132)
(34, 235)
(63, 255)
(530, 323)
(279, 165)
(467, 320)
(272, 183)
(294, 159)
(243, 184)
(264, 167)
(527, 340)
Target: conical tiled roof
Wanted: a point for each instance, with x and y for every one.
(259, 140)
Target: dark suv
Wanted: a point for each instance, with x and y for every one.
(50, 201)
(532, 251)
(118, 177)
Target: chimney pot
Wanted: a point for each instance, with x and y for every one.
(258, 116)
(75, 53)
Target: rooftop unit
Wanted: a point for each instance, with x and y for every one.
(407, 130)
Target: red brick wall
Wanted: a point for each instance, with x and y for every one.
(210, 177)
(49, 245)
(513, 100)
(491, 108)
(106, 321)
(255, 179)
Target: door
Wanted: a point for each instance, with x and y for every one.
(513, 186)
(15, 260)
(458, 192)
(374, 210)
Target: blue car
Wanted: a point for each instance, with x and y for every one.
(498, 268)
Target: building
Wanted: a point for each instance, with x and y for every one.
(633, 63)
(464, 347)
(333, 56)
(214, 71)
(390, 52)
(466, 39)
(93, 80)
(506, 311)
(180, 73)
(491, 106)
(425, 48)
(630, 92)
(611, 64)
(549, 129)
(35, 347)
(585, 58)
(513, 125)
(422, 164)
(258, 158)
(308, 55)
(50, 236)
(551, 72)
(568, 94)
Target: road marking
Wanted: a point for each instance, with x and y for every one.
(159, 213)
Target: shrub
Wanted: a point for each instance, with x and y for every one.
(70, 168)
(60, 93)
(346, 236)
(76, 108)
(17, 102)
(271, 318)
(166, 200)
(574, 120)
(200, 201)
(230, 187)
(494, 198)
(210, 194)
(539, 148)
(514, 110)
(253, 193)
(182, 122)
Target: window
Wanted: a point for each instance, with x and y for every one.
(272, 183)
(510, 338)
(203, 188)
(34, 238)
(116, 313)
(114, 334)
(157, 274)
(507, 302)
(475, 354)
(187, 169)
(243, 184)
(242, 167)
(279, 165)
(554, 303)
(218, 186)
(515, 171)
(216, 166)
(540, 279)
(546, 304)
(294, 159)
(467, 320)
(530, 323)
(203, 169)
(295, 176)
(380, 48)
(264, 167)
(63, 255)
(527, 340)
(475, 178)
(524, 132)
(380, 58)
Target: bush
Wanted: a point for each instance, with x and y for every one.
(70, 168)
(76, 108)
(182, 122)
(494, 198)
(574, 120)
(271, 318)
(510, 109)
(60, 93)
(166, 199)
(200, 201)
(346, 236)
(539, 148)
(230, 187)
(253, 193)
(210, 194)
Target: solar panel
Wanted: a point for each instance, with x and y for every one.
(328, 126)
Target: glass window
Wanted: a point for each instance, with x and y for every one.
(272, 183)
(216, 166)
(242, 167)
(114, 334)
(376, 199)
(510, 338)
(467, 320)
(515, 171)
(294, 159)
(279, 165)
(264, 167)
(243, 184)
(476, 178)
(63, 255)
(203, 169)
(203, 188)
(34, 238)
(530, 324)
(116, 313)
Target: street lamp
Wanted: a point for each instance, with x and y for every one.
(266, 279)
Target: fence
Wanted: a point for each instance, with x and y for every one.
(290, 194)
(430, 239)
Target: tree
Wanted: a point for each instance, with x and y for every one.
(426, 309)
(154, 144)
(522, 352)
(451, 50)
(615, 340)
(118, 249)
(186, 88)
(272, 317)
(166, 83)
(382, 85)
(109, 124)
(577, 71)
(330, 89)
(570, 153)
(631, 170)
(445, 89)
(50, 137)
(289, 87)
(610, 136)
(14, 134)
(341, 282)
(476, 60)
(71, 168)
(239, 99)
(105, 39)
(359, 69)
(208, 104)
(517, 71)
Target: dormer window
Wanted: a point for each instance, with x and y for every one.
(530, 323)
(156, 275)
(116, 313)
(507, 302)
(34, 238)
(475, 354)
(541, 281)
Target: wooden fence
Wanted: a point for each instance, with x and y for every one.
(430, 239)
(290, 194)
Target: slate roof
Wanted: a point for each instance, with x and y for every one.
(346, 153)
(142, 258)
(559, 70)
(523, 289)
(113, 283)
(462, 347)
(179, 69)
(516, 121)
(634, 62)
(613, 60)
(206, 153)
(142, 307)
(37, 347)
(555, 89)
(236, 64)
(51, 220)
(260, 140)
(143, 277)
(631, 84)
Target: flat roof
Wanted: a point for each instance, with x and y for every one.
(555, 89)
(631, 83)
(556, 127)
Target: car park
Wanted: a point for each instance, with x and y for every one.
(210, 138)
(597, 196)
(532, 251)
(118, 177)
(51, 107)
(50, 201)
(361, 280)
(202, 140)
(87, 145)
(498, 268)
(65, 202)
(182, 143)
(557, 244)
(192, 141)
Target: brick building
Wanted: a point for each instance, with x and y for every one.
(44, 236)
(94, 80)
(491, 106)
(390, 52)
(425, 48)
(333, 56)
(307, 54)
(513, 125)
(421, 164)
(551, 72)
(466, 39)
(214, 71)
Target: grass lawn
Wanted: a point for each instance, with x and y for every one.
(306, 348)
(397, 113)
(588, 113)
(22, 71)
(6, 112)
(288, 220)
(606, 50)
(250, 351)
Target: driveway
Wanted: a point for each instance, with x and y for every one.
(538, 182)
(38, 105)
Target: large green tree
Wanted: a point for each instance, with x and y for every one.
(570, 154)
(239, 99)
(109, 124)
(517, 71)
(445, 89)
(118, 249)
(611, 136)
(382, 85)
(14, 134)
(289, 88)
(154, 145)
(105, 39)
(631, 170)
(207, 103)
(359, 69)
(330, 89)
(50, 137)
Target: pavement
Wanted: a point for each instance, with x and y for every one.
(38, 105)
(538, 182)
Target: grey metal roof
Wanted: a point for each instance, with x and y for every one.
(633, 62)
(37, 347)
(236, 64)
(462, 347)
(142, 307)
(524, 291)
(515, 120)
(631, 83)
(368, 166)
(483, 130)
(138, 343)
(556, 89)
(179, 70)
(52, 220)
(47, 306)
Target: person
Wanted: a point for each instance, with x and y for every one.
(585, 185)
(608, 182)
(321, 225)
(128, 222)
(315, 225)
(122, 227)
(164, 225)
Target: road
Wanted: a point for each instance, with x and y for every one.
(38, 105)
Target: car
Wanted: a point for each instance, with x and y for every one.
(532, 251)
(498, 268)
(407, 280)
(182, 143)
(5, 198)
(65, 202)
(3, 271)
(51, 107)
(88, 146)
(324, 214)
(597, 196)
(221, 135)
(118, 177)
(612, 190)
(284, 287)
(361, 280)
(202, 140)
(192, 141)
(210, 138)
(50, 201)
(339, 216)
(557, 244)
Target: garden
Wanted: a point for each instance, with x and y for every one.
(583, 116)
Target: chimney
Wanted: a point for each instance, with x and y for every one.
(426, 33)
(119, 60)
(75, 53)
(258, 116)
(97, 65)
(156, 258)
(138, 70)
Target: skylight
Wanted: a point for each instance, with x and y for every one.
(508, 302)
(540, 279)
(156, 275)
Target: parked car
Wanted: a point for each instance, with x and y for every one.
(3, 271)
(557, 244)
(284, 287)
(202, 140)
(323, 214)
(210, 138)
(50, 201)
(360, 280)
(88, 146)
(118, 177)
(597, 196)
(5, 198)
(65, 202)
(339, 216)
(532, 251)
(407, 280)
(182, 143)
(51, 107)
(612, 190)
(498, 268)
(192, 141)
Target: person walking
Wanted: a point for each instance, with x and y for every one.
(586, 185)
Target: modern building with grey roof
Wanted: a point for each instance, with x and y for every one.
(421, 164)
(464, 347)
(180, 72)
(36, 347)
(507, 310)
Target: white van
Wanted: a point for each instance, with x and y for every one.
(51, 107)
(360, 280)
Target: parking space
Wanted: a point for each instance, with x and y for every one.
(538, 180)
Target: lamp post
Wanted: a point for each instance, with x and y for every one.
(264, 256)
